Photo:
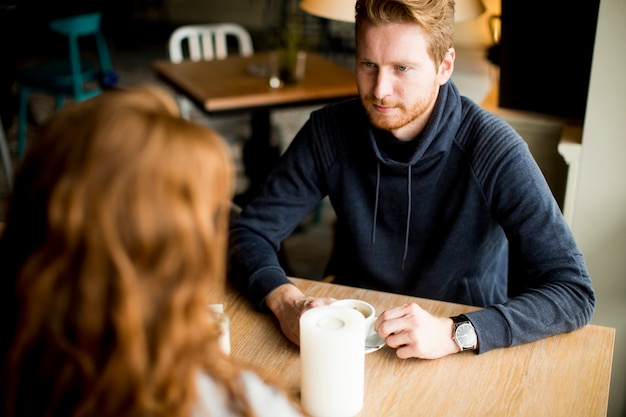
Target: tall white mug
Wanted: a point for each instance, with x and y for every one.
(332, 360)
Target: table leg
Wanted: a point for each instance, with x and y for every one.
(259, 154)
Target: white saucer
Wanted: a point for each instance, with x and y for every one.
(374, 342)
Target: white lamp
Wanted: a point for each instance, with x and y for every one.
(468, 10)
(343, 10)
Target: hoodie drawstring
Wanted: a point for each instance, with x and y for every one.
(376, 205)
(408, 215)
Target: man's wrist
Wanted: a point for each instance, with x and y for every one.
(282, 295)
(453, 347)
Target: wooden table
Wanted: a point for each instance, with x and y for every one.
(242, 84)
(564, 375)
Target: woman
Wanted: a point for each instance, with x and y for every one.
(114, 242)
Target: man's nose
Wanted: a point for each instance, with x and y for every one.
(384, 85)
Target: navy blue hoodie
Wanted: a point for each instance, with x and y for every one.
(440, 217)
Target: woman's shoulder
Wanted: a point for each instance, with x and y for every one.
(266, 400)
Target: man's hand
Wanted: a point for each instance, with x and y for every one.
(288, 303)
(415, 333)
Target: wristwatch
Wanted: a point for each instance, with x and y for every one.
(464, 333)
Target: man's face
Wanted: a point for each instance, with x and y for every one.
(397, 79)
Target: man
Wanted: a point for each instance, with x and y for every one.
(434, 197)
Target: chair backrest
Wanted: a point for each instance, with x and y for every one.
(208, 42)
(75, 27)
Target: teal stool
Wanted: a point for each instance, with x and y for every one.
(66, 77)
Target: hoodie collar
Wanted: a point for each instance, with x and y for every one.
(438, 133)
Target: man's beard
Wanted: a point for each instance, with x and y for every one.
(402, 116)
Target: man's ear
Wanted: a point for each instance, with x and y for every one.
(446, 67)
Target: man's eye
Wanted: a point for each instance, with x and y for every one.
(402, 68)
(368, 66)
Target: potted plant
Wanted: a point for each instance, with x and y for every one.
(288, 57)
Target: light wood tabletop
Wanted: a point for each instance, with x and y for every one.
(563, 375)
(241, 83)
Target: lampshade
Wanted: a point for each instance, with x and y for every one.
(468, 10)
(343, 10)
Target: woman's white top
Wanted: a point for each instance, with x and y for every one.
(265, 399)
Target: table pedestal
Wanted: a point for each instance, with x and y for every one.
(259, 154)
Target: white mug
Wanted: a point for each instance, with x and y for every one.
(363, 307)
(224, 323)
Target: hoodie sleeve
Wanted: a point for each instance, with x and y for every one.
(555, 293)
(292, 191)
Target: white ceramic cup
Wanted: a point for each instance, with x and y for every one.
(363, 307)
(224, 323)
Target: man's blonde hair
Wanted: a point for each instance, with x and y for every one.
(436, 17)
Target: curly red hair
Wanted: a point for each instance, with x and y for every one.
(116, 238)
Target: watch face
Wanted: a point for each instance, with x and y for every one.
(466, 335)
